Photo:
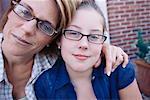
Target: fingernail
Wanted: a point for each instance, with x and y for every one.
(108, 73)
(105, 71)
(113, 70)
(123, 66)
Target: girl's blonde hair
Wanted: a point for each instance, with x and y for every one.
(67, 8)
(92, 4)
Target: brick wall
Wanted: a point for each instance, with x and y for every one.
(124, 16)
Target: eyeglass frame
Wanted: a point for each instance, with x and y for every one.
(82, 35)
(15, 3)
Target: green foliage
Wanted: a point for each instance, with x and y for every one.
(142, 46)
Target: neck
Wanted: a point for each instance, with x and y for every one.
(18, 75)
(82, 84)
(79, 75)
(84, 89)
(18, 68)
(17, 72)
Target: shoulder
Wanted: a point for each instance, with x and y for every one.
(46, 81)
(124, 76)
(50, 74)
(128, 69)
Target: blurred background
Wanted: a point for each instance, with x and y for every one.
(3, 6)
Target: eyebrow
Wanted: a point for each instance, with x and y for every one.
(27, 6)
(32, 11)
(75, 26)
(96, 30)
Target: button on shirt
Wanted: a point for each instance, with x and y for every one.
(55, 84)
(41, 63)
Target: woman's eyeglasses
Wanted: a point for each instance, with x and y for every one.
(26, 14)
(76, 36)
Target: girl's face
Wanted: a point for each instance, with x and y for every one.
(28, 25)
(81, 55)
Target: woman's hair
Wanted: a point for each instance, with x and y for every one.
(66, 9)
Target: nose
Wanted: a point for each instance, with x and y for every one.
(29, 27)
(83, 43)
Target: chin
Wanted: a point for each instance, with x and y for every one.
(81, 69)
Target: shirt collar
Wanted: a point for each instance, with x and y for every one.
(62, 77)
(1, 60)
(42, 63)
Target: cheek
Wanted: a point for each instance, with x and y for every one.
(66, 47)
(42, 41)
(7, 27)
(12, 22)
(97, 51)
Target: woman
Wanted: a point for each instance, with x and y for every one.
(73, 77)
(24, 53)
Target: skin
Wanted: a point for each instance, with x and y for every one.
(133, 94)
(19, 56)
(80, 56)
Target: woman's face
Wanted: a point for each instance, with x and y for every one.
(81, 55)
(24, 35)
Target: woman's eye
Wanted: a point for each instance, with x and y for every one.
(26, 13)
(94, 37)
(73, 33)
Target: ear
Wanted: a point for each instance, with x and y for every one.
(58, 44)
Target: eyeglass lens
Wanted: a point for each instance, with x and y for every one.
(26, 14)
(93, 38)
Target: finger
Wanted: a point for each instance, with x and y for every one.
(114, 54)
(106, 50)
(126, 60)
(108, 66)
(119, 60)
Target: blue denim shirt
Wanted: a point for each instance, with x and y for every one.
(55, 84)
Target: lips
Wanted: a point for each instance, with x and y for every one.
(21, 41)
(80, 56)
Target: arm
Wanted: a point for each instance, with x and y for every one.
(130, 92)
(114, 56)
(126, 82)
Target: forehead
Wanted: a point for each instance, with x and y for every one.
(88, 18)
(45, 9)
